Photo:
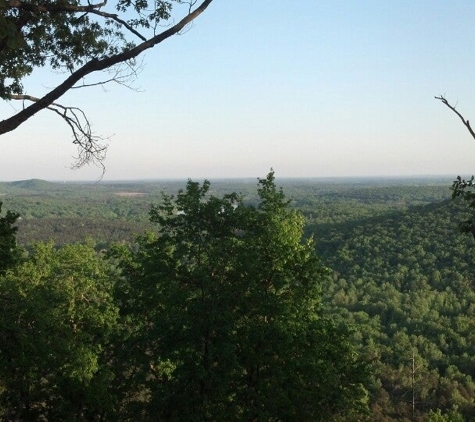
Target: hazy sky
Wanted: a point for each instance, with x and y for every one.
(311, 88)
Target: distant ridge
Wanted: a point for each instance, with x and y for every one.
(32, 184)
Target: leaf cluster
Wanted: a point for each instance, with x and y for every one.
(464, 189)
(65, 34)
(9, 252)
(57, 318)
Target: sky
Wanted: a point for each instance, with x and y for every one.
(309, 88)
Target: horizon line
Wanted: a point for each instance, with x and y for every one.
(236, 178)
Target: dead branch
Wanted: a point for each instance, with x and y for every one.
(91, 148)
(465, 122)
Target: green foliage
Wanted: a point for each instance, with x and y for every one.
(405, 281)
(451, 416)
(223, 316)
(464, 189)
(56, 320)
(64, 36)
(402, 284)
(9, 252)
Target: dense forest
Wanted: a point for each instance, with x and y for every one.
(327, 300)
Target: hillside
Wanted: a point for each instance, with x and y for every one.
(402, 274)
(36, 187)
(33, 184)
(404, 281)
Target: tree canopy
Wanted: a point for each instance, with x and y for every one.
(81, 38)
(56, 320)
(225, 309)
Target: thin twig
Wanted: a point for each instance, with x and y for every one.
(91, 148)
(121, 76)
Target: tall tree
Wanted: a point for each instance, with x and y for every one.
(80, 37)
(9, 252)
(224, 317)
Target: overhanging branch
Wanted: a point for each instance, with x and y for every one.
(96, 65)
(93, 65)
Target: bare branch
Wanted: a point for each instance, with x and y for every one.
(119, 75)
(191, 4)
(90, 147)
(465, 122)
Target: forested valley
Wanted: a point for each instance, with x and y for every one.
(331, 300)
